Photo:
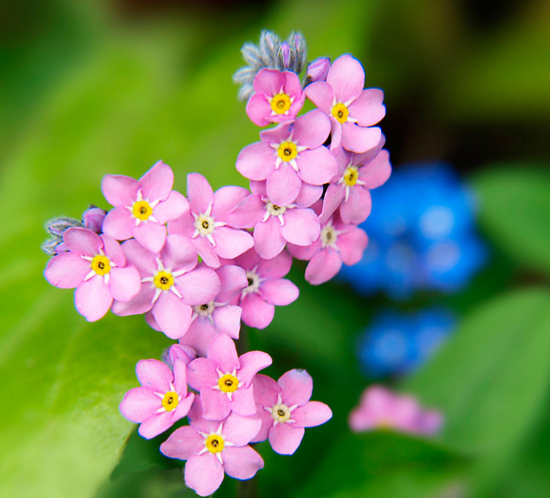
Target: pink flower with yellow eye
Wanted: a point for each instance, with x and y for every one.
(142, 207)
(161, 400)
(352, 110)
(279, 97)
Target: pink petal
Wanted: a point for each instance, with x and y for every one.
(183, 407)
(215, 403)
(335, 136)
(200, 335)
(280, 133)
(171, 208)
(231, 242)
(119, 223)
(172, 315)
(157, 183)
(150, 320)
(279, 292)
(358, 206)
(228, 320)
(183, 353)
(247, 213)
(284, 439)
(249, 260)
(256, 161)
(150, 235)
(178, 254)
(83, 241)
(119, 190)
(269, 82)
(222, 351)
(297, 387)
(138, 305)
(268, 240)
(183, 443)
(346, 77)
(203, 246)
(113, 250)
(312, 414)
(125, 283)
(267, 423)
(184, 225)
(202, 373)
(309, 194)
(376, 172)
(283, 185)
(233, 281)
(266, 391)
(197, 421)
(292, 85)
(305, 253)
(312, 129)
(139, 404)
(199, 193)
(243, 402)
(154, 374)
(359, 139)
(67, 270)
(242, 462)
(144, 260)
(92, 298)
(323, 266)
(256, 312)
(227, 199)
(316, 166)
(203, 473)
(258, 109)
(156, 424)
(321, 94)
(274, 268)
(368, 109)
(199, 286)
(251, 363)
(352, 246)
(301, 226)
(180, 376)
(334, 197)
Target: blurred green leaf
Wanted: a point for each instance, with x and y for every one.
(491, 378)
(381, 464)
(515, 212)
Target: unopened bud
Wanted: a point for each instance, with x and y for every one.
(318, 70)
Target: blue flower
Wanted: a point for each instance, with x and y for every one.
(396, 344)
(421, 235)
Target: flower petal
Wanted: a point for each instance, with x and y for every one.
(323, 266)
(233, 281)
(251, 363)
(231, 242)
(268, 240)
(285, 439)
(279, 292)
(223, 352)
(352, 246)
(145, 261)
(316, 166)
(368, 109)
(256, 312)
(199, 286)
(119, 223)
(301, 226)
(172, 208)
(67, 270)
(83, 241)
(312, 129)
(157, 183)
(215, 404)
(156, 424)
(178, 254)
(125, 283)
(377, 171)
(321, 94)
(358, 139)
(297, 387)
(258, 109)
(309, 194)
(243, 402)
(200, 335)
(312, 414)
(172, 315)
(357, 207)
(227, 199)
(154, 374)
(138, 305)
(183, 443)
(346, 77)
(150, 235)
(93, 298)
(203, 473)
(139, 404)
(199, 193)
(256, 161)
(228, 320)
(274, 268)
(202, 373)
(242, 462)
(249, 212)
(119, 190)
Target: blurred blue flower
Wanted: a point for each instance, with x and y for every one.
(421, 234)
(395, 344)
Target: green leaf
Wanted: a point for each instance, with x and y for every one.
(491, 378)
(514, 211)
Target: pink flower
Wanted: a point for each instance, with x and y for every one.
(352, 110)
(276, 224)
(318, 70)
(178, 352)
(225, 380)
(217, 316)
(161, 400)
(380, 408)
(96, 266)
(266, 287)
(337, 243)
(205, 222)
(142, 207)
(279, 97)
(288, 155)
(171, 285)
(285, 410)
(357, 175)
(93, 219)
(212, 448)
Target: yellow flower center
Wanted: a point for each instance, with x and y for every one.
(170, 401)
(101, 264)
(163, 280)
(287, 151)
(228, 383)
(340, 113)
(351, 175)
(142, 210)
(281, 103)
(214, 443)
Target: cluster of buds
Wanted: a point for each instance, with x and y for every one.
(196, 266)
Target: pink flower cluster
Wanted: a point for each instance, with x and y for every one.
(196, 266)
(380, 408)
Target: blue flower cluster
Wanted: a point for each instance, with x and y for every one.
(421, 234)
(396, 344)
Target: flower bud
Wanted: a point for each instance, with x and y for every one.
(93, 219)
(318, 69)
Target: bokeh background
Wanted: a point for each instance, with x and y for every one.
(89, 88)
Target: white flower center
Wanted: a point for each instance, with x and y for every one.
(204, 224)
(275, 210)
(280, 413)
(204, 309)
(328, 236)
(254, 282)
